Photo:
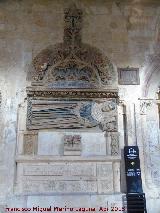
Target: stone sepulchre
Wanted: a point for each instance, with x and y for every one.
(69, 143)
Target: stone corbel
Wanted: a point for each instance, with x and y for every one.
(144, 105)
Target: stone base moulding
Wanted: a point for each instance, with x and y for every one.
(84, 176)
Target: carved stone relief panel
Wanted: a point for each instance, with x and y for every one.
(30, 143)
(115, 150)
(106, 113)
(60, 115)
(44, 113)
(70, 177)
(72, 145)
(77, 71)
(71, 74)
(62, 186)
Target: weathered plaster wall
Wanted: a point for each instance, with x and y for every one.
(125, 31)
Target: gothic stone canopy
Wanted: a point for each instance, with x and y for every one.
(72, 64)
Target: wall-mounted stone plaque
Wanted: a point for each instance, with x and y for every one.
(128, 76)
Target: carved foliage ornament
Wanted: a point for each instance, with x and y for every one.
(144, 105)
(72, 145)
(80, 94)
(115, 144)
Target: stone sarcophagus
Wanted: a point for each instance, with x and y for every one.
(80, 176)
(69, 143)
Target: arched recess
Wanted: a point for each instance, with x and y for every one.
(151, 126)
(81, 66)
(150, 115)
(73, 95)
(151, 81)
(151, 71)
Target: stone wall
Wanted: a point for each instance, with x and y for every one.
(125, 31)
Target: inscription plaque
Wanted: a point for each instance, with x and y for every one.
(128, 76)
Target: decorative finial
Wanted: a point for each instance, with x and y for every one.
(73, 25)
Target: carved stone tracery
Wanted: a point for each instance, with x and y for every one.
(56, 63)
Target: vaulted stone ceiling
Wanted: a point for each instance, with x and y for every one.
(124, 30)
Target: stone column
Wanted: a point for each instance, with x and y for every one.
(108, 143)
(142, 141)
(149, 150)
(133, 124)
(116, 175)
(121, 119)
